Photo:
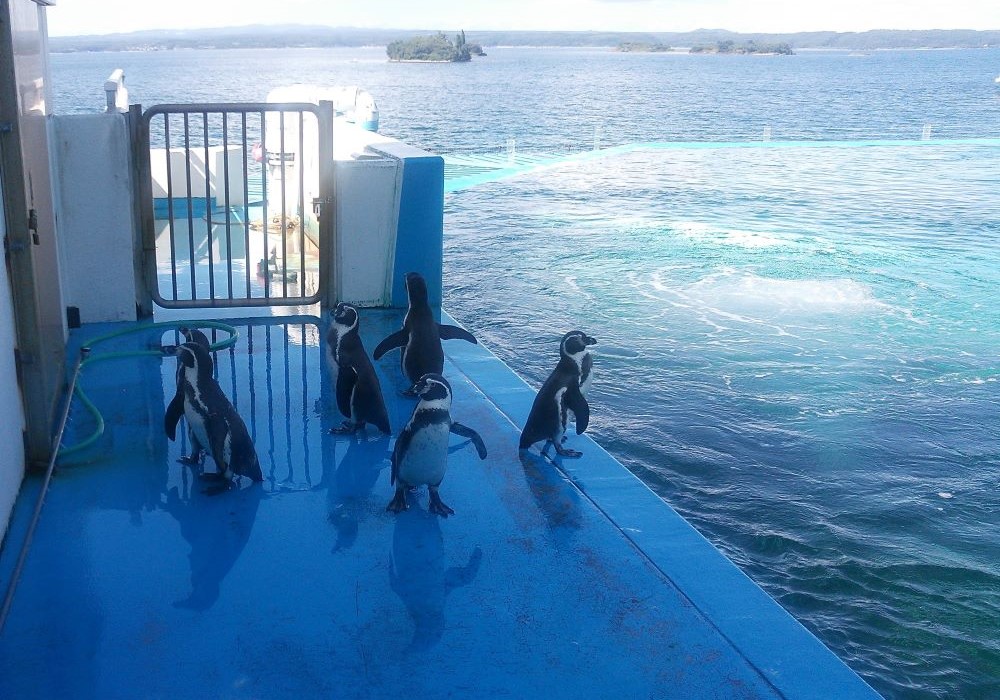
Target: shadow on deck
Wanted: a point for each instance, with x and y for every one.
(545, 583)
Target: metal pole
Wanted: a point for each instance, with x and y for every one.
(327, 209)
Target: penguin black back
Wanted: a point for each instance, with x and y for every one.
(421, 336)
(560, 395)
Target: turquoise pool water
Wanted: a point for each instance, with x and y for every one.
(798, 351)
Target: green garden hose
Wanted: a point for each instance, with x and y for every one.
(89, 359)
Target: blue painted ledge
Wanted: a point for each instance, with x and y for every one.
(790, 657)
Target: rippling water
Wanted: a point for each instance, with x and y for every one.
(798, 346)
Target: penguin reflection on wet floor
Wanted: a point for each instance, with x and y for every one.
(212, 418)
(359, 394)
(560, 396)
(421, 336)
(420, 455)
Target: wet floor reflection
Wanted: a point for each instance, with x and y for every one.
(557, 500)
(418, 575)
(217, 527)
(351, 485)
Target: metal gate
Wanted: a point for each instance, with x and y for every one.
(234, 203)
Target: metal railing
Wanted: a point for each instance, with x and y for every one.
(232, 203)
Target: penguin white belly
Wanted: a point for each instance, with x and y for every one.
(561, 412)
(196, 423)
(426, 458)
(331, 361)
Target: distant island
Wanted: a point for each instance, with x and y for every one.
(641, 47)
(749, 47)
(436, 48)
(300, 36)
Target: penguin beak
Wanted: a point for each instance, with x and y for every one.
(587, 340)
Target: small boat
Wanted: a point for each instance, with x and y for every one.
(351, 103)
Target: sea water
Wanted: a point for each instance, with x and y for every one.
(797, 346)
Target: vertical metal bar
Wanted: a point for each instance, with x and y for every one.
(225, 199)
(270, 397)
(302, 205)
(305, 404)
(144, 259)
(208, 209)
(327, 214)
(170, 207)
(288, 406)
(263, 184)
(284, 210)
(190, 212)
(250, 385)
(246, 206)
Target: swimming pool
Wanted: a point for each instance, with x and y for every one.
(797, 350)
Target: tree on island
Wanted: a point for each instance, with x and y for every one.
(749, 47)
(641, 46)
(436, 47)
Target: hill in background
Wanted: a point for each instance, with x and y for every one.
(287, 36)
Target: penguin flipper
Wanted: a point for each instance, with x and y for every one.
(174, 412)
(468, 432)
(346, 379)
(402, 443)
(396, 340)
(578, 404)
(455, 333)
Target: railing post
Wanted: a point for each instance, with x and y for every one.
(327, 208)
(144, 245)
(115, 92)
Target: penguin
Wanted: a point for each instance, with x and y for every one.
(420, 455)
(560, 394)
(212, 418)
(421, 336)
(359, 395)
(586, 377)
(192, 335)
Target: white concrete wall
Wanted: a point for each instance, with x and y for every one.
(217, 156)
(11, 411)
(366, 220)
(96, 227)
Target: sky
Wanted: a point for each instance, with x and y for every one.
(76, 17)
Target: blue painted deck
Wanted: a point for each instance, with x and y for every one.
(569, 580)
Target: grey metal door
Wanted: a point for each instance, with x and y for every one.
(231, 202)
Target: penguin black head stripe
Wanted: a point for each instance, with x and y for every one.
(432, 387)
(575, 343)
(195, 355)
(345, 315)
(416, 288)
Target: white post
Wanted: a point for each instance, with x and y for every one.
(926, 135)
(115, 92)
(511, 151)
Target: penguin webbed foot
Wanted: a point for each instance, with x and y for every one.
(348, 428)
(398, 502)
(194, 459)
(217, 483)
(438, 506)
(566, 452)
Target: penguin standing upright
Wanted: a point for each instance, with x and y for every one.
(359, 395)
(421, 336)
(192, 335)
(560, 394)
(211, 417)
(421, 452)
